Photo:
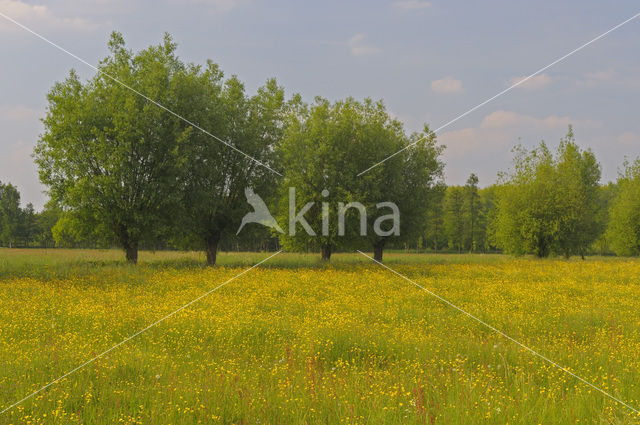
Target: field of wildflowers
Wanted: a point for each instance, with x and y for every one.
(298, 342)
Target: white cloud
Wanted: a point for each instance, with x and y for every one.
(38, 16)
(358, 48)
(412, 4)
(534, 83)
(447, 85)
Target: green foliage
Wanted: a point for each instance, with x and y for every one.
(46, 219)
(214, 175)
(472, 209)
(10, 214)
(326, 146)
(454, 217)
(606, 196)
(485, 218)
(624, 225)
(434, 234)
(549, 204)
(110, 154)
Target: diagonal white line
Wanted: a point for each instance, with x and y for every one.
(136, 334)
(499, 332)
(480, 105)
(159, 105)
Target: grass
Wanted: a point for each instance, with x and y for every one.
(298, 341)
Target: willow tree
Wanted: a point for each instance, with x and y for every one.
(549, 203)
(215, 174)
(10, 213)
(325, 150)
(624, 221)
(108, 154)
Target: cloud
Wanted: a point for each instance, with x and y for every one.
(502, 128)
(486, 148)
(218, 5)
(412, 4)
(358, 48)
(447, 85)
(509, 119)
(629, 138)
(13, 113)
(534, 83)
(592, 79)
(39, 17)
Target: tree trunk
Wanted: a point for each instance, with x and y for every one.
(326, 253)
(131, 252)
(212, 248)
(378, 247)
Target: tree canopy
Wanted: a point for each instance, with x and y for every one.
(623, 231)
(548, 204)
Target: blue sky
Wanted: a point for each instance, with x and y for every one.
(429, 60)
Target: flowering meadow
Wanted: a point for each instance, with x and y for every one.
(294, 341)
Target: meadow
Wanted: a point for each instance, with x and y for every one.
(296, 341)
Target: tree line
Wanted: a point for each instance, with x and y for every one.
(128, 170)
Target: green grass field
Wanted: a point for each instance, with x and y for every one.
(299, 341)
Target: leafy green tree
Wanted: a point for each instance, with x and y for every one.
(549, 204)
(526, 218)
(108, 153)
(214, 175)
(607, 195)
(623, 231)
(577, 198)
(486, 216)
(318, 149)
(435, 229)
(10, 214)
(411, 182)
(46, 219)
(472, 210)
(454, 217)
(324, 149)
(28, 228)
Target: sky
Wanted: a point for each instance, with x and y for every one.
(430, 61)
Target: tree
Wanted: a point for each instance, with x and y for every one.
(318, 152)
(10, 214)
(454, 217)
(28, 228)
(411, 182)
(109, 154)
(578, 178)
(623, 230)
(606, 198)
(548, 204)
(435, 232)
(472, 209)
(325, 148)
(486, 217)
(46, 219)
(215, 176)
